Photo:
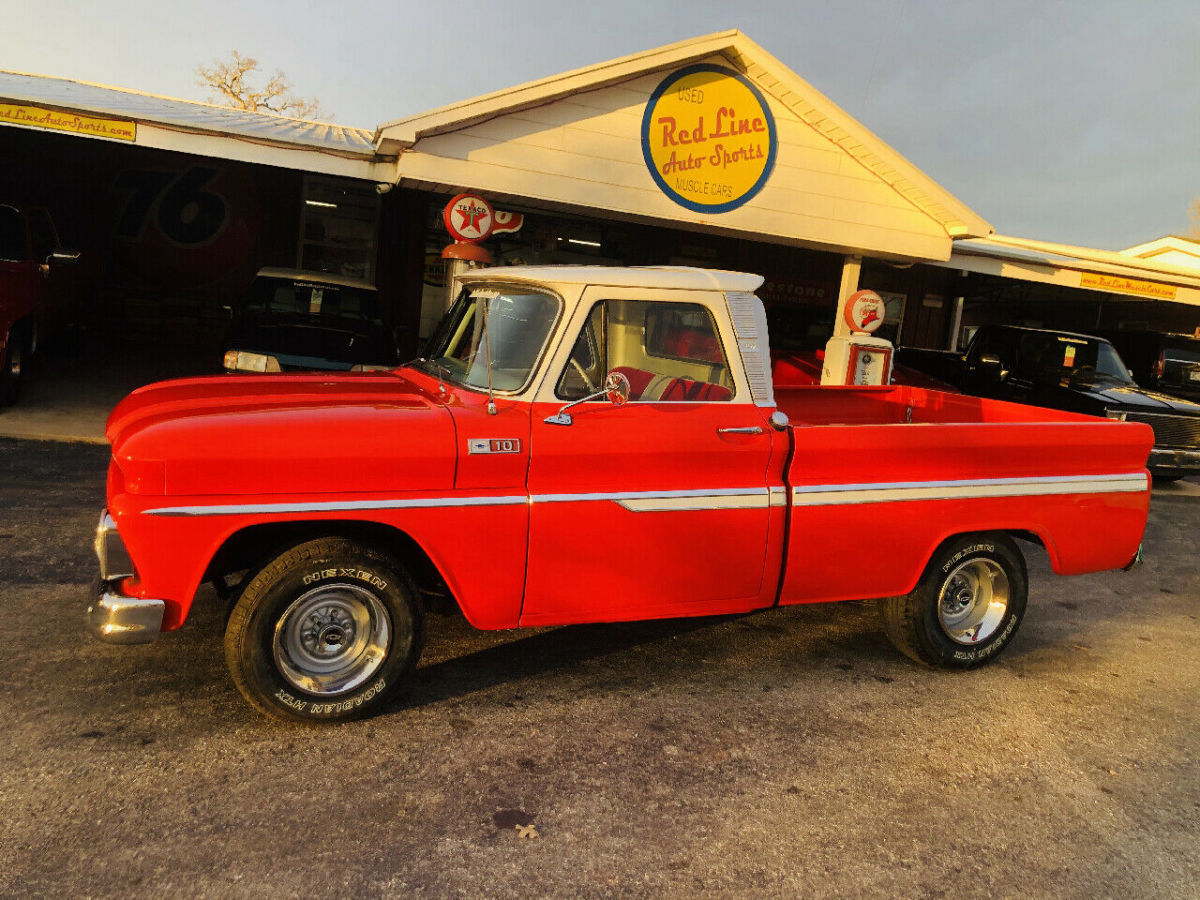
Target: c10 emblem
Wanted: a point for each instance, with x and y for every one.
(493, 445)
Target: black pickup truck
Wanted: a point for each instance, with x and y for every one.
(1167, 363)
(1074, 372)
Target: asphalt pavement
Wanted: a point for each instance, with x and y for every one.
(784, 754)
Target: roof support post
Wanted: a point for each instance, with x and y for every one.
(955, 325)
(851, 269)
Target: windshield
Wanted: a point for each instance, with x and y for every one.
(1055, 358)
(512, 325)
(1181, 354)
(313, 300)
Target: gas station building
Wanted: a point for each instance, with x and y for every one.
(709, 152)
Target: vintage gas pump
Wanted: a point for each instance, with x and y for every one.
(858, 357)
(470, 220)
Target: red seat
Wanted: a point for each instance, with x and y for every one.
(645, 385)
(638, 380)
(685, 389)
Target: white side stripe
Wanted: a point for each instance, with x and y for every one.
(670, 501)
(898, 492)
(718, 498)
(335, 506)
(636, 501)
(708, 501)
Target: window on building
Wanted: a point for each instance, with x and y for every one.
(339, 227)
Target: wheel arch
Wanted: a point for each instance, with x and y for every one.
(1016, 535)
(252, 547)
(1039, 540)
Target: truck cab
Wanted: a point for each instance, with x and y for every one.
(671, 336)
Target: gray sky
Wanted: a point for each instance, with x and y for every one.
(1076, 122)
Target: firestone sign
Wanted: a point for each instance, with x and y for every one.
(865, 312)
(708, 138)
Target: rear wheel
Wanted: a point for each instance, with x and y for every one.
(324, 632)
(966, 607)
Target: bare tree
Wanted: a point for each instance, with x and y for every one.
(229, 85)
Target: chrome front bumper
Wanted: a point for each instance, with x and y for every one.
(117, 618)
(1174, 462)
(112, 615)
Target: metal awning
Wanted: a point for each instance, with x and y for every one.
(26, 101)
(1078, 267)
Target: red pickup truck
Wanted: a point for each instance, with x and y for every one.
(562, 456)
(36, 291)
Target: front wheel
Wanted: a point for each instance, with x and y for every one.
(966, 607)
(324, 632)
(1165, 477)
(11, 363)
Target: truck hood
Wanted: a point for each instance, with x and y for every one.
(282, 434)
(309, 342)
(1128, 397)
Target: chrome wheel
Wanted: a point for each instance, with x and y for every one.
(973, 601)
(332, 639)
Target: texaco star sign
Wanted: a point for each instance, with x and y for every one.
(469, 218)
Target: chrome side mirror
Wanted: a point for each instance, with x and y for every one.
(615, 391)
(991, 366)
(616, 388)
(59, 255)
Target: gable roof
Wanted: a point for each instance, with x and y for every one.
(1174, 249)
(769, 74)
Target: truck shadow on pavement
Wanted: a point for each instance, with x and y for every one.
(556, 651)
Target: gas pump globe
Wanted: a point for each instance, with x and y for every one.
(859, 357)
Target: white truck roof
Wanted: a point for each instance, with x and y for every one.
(664, 277)
(315, 277)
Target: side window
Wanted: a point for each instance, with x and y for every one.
(995, 343)
(12, 235)
(682, 332)
(669, 352)
(585, 371)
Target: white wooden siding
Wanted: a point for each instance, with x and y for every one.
(585, 151)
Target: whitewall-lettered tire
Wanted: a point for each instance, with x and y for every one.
(967, 606)
(324, 632)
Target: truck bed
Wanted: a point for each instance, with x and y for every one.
(900, 404)
(924, 466)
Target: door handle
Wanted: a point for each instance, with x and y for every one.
(750, 429)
